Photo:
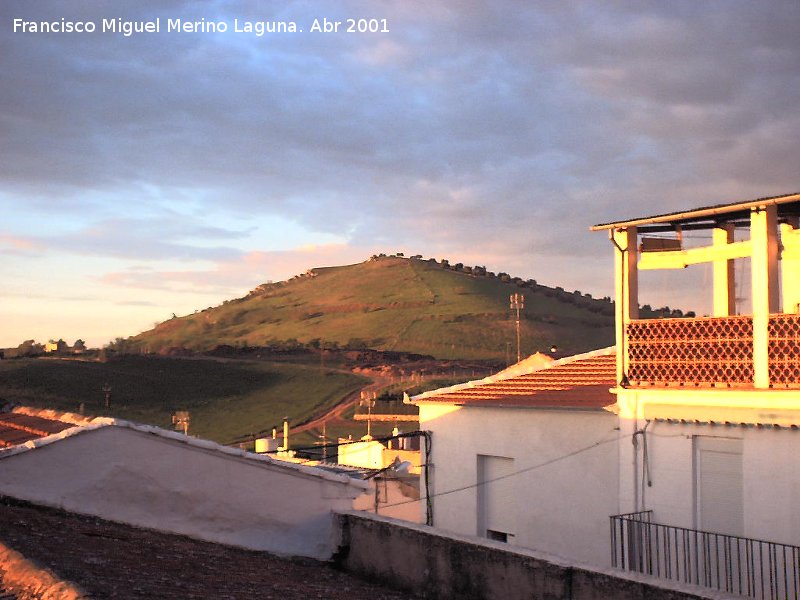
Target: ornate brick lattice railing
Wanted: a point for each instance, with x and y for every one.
(784, 350)
(710, 351)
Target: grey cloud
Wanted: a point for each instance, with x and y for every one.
(487, 123)
(164, 237)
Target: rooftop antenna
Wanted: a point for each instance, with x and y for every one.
(323, 441)
(368, 400)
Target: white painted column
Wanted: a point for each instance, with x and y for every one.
(626, 289)
(724, 283)
(790, 267)
(764, 266)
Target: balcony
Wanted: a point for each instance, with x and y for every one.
(387, 410)
(749, 567)
(710, 352)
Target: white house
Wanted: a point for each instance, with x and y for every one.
(528, 456)
(149, 477)
(709, 408)
(690, 444)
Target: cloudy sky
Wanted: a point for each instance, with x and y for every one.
(165, 172)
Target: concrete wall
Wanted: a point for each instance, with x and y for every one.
(397, 498)
(771, 462)
(770, 472)
(445, 566)
(375, 455)
(131, 476)
(562, 507)
(367, 453)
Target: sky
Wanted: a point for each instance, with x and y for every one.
(165, 172)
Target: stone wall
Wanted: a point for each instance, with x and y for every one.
(432, 564)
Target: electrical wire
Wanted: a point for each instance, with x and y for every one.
(426, 464)
(514, 474)
(385, 438)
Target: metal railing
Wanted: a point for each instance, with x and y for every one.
(749, 567)
(387, 407)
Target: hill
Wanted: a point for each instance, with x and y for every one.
(397, 304)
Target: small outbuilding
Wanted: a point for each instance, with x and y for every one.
(150, 477)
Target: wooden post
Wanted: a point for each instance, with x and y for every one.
(626, 290)
(724, 283)
(764, 266)
(790, 267)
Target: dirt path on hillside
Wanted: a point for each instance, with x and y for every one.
(376, 385)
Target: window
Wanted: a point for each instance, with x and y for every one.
(719, 505)
(496, 498)
(497, 536)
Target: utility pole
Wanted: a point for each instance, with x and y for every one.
(324, 442)
(516, 301)
(107, 394)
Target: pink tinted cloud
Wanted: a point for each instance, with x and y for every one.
(10, 244)
(239, 275)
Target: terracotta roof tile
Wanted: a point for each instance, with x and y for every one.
(581, 381)
(17, 428)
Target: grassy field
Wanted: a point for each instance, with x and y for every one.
(395, 304)
(226, 400)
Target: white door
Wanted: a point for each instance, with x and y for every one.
(496, 502)
(718, 485)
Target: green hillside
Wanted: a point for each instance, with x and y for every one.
(226, 399)
(399, 304)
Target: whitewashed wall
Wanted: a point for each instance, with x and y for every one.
(160, 482)
(770, 476)
(562, 508)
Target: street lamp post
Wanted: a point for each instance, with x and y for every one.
(368, 400)
(516, 301)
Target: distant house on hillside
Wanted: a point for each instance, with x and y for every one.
(55, 346)
(149, 477)
(528, 456)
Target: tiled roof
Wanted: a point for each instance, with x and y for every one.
(18, 428)
(581, 382)
(45, 427)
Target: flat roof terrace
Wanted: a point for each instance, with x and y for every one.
(111, 560)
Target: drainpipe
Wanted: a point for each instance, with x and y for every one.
(645, 468)
(635, 465)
